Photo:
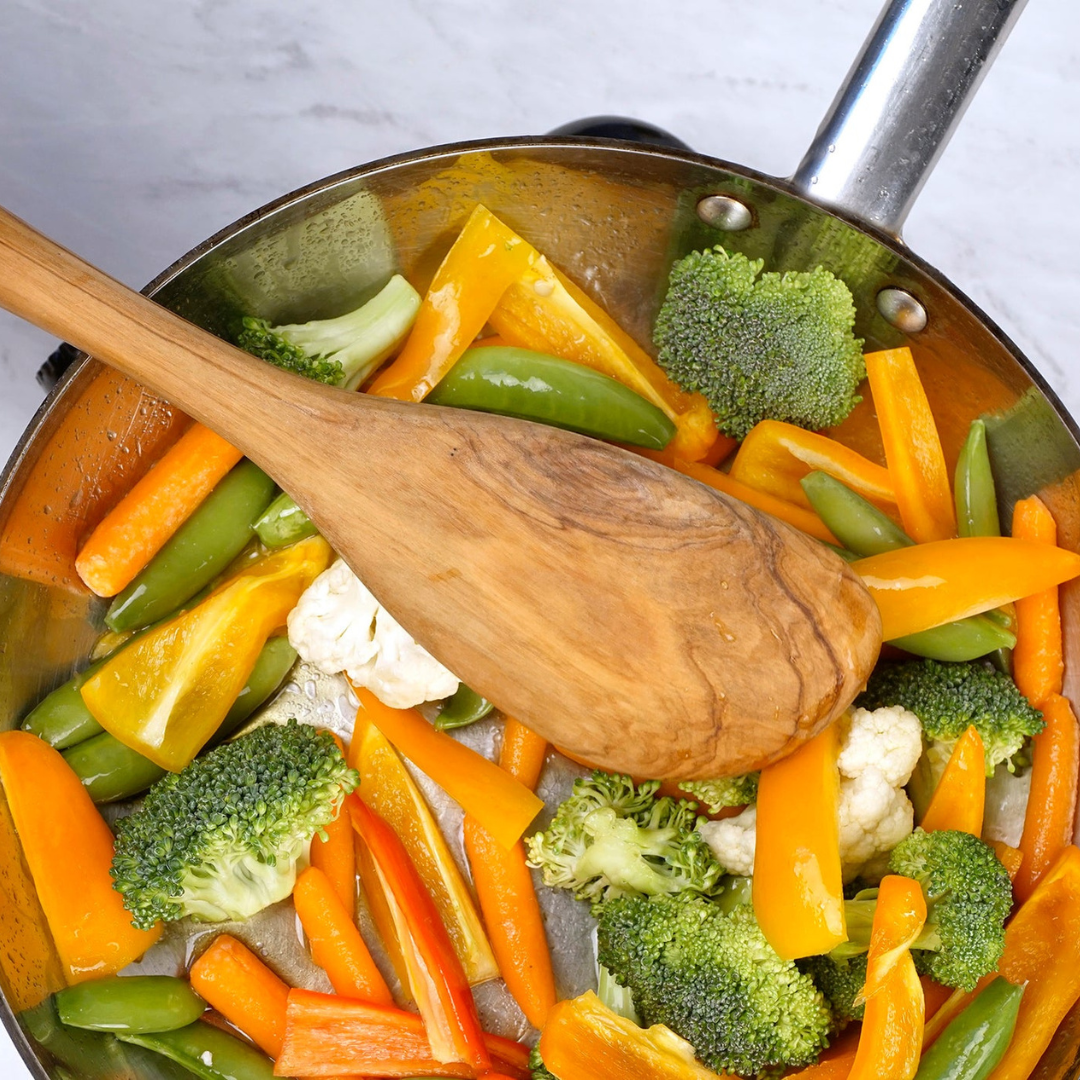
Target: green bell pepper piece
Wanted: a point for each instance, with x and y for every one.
(135, 1004)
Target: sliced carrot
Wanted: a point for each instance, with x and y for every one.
(1051, 808)
(500, 803)
(136, 529)
(522, 753)
(959, 800)
(68, 849)
(912, 446)
(1038, 659)
(335, 855)
(336, 944)
(244, 990)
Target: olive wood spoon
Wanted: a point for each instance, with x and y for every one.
(638, 619)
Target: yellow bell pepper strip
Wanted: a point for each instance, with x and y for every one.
(776, 455)
(797, 890)
(584, 1040)
(959, 800)
(543, 310)
(446, 1002)
(166, 694)
(503, 806)
(1051, 808)
(387, 787)
(892, 1029)
(68, 849)
(1038, 659)
(912, 446)
(928, 585)
(797, 516)
(484, 259)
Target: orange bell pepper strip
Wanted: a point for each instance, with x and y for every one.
(335, 943)
(835, 1062)
(327, 1035)
(959, 800)
(442, 994)
(912, 446)
(545, 311)
(503, 806)
(167, 693)
(136, 529)
(928, 585)
(1051, 808)
(898, 919)
(522, 753)
(584, 1040)
(68, 850)
(388, 788)
(484, 259)
(776, 455)
(1038, 658)
(797, 890)
(1009, 857)
(334, 854)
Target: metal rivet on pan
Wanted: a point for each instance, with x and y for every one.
(902, 310)
(724, 212)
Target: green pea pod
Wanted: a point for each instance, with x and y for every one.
(535, 386)
(283, 523)
(847, 556)
(968, 639)
(111, 771)
(859, 525)
(972, 1045)
(462, 708)
(197, 552)
(133, 1005)
(62, 718)
(208, 1052)
(976, 498)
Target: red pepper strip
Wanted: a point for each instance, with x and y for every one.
(449, 1012)
(892, 1029)
(898, 919)
(328, 1035)
(960, 797)
(927, 585)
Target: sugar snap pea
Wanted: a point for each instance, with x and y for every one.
(135, 1004)
(462, 708)
(197, 552)
(62, 718)
(283, 523)
(535, 386)
(207, 1051)
(976, 498)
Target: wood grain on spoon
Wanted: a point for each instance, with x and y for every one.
(645, 622)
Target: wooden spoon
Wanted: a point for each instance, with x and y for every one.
(643, 621)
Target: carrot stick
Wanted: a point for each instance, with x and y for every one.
(523, 752)
(244, 990)
(1038, 663)
(336, 944)
(335, 855)
(503, 806)
(515, 926)
(133, 532)
(1051, 808)
(912, 446)
(1009, 857)
(959, 800)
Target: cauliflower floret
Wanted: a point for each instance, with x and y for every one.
(339, 626)
(878, 752)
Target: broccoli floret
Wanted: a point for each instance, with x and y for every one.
(968, 898)
(774, 347)
(537, 1067)
(712, 978)
(342, 351)
(948, 697)
(716, 795)
(614, 838)
(841, 981)
(221, 839)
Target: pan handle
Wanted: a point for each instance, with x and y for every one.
(900, 103)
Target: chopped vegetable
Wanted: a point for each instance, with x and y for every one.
(221, 840)
(207, 1051)
(68, 848)
(462, 708)
(912, 446)
(534, 386)
(334, 853)
(134, 1004)
(976, 499)
(712, 978)
(899, 916)
(523, 752)
(798, 892)
(774, 347)
(717, 795)
(342, 351)
(136, 529)
(283, 523)
(960, 797)
(167, 693)
(61, 718)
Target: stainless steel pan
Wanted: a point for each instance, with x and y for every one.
(613, 215)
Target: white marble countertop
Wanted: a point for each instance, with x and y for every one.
(130, 131)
